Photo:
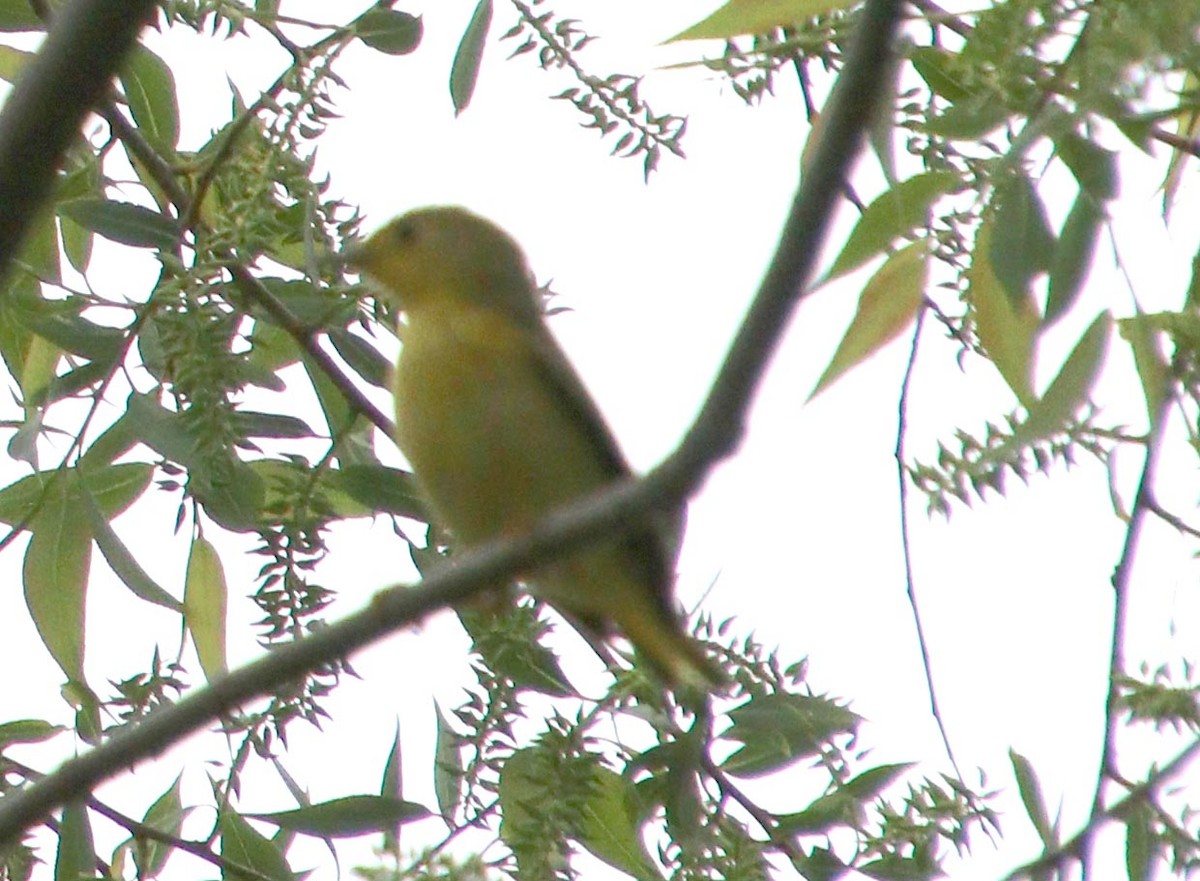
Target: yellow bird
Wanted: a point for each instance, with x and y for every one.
(500, 430)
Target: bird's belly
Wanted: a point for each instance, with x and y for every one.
(491, 448)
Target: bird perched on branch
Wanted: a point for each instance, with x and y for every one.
(500, 430)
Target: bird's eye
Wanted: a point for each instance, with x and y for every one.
(404, 233)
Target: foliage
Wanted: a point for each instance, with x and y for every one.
(150, 390)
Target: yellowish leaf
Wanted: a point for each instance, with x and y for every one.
(204, 601)
(739, 17)
(1007, 328)
(888, 304)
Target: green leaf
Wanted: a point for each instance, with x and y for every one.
(971, 118)
(447, 768)
(1094, 167)
(55, 577)
(1022, 243)
(1073, 256)
(18, 15)
(609, 827)
(116, 440)
(367, 361)
(895, 213)
(1031, 796)
(74, 333)
(780, 729)
(205, 596)
(149, 88)
(347, 817)
(27, 731)
(1139, 842)
(392, 786)
(935, 65)
(464, 72)
(1143, 334)
(250, 423)
(389, 31)
(165, 815)
(739, 17)
(123, 222)
(1007, 330)
(888, 305)
(76, 854)
(379, 489)
(121, 561)
(114, 488)
(242, 844)
(1070, 389)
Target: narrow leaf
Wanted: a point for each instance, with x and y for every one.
(1007, 330)
(242, 843)
(1031, 796)
(465, 70)
(888, 305)
(1073, 256)
(739, 17)
(204, 602)
(1070, 389)
(1022, 244)
(76, 854)
(123, 222)
(149, 88)
(122, 562)
(347, 817)
(447, 768)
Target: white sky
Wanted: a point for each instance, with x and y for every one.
(800, 530)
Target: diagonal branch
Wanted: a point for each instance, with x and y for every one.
(715, 434)
(86, 45)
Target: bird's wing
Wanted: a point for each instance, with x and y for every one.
(654, 545)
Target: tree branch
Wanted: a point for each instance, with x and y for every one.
(715, 434)
(84, 49)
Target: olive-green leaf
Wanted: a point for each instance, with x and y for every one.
(1030, 790)
(389, 30)
(464, 72)
(76, 854)
(55, 577)
(121, 561)
(165, 815)
(780, 729)
(205, 596)
(18, 15)
(1073, 256)
(379, 489)
(934, 65)
(1007, 330)
(367, 361)
(609, 826)
(1094, 167)
(12, 62)
(896, 213)
(1022, 244)
(447, 768)
(1070, 389)
(347, 817)
(114, 489)
(149, 88)
(1140, 844)
(1144, 336)
(123, 222)
(738, 17)
(888, 305)
(27, 731)
(243, 844)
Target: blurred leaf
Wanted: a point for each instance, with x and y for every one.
(465, 70)
(123, 222)
(367, 361)
(888, 305)
(18, 15)
(447, 768)
(1031, 796)
(389, 31)
(1070, 389)
(780, 729)
(935, 65)
(1007, 332)
(971, 118)
(76, 855)
(896, 213)
(1094, 167)
(114, 489)
(38, 370)
(347, 817)
(149, 88)
(165, 815)
(55, 576)
(205, 596)
(379, 489)
(253, 424)
(1073, 256)
(1143, 335)
(738, 17)
(242, 844)
(121, 561)
(1022, 244)
(392, 786)
(27, 731)
(1139, 842)
(609, 826)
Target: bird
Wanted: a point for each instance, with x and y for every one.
(500, 431)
